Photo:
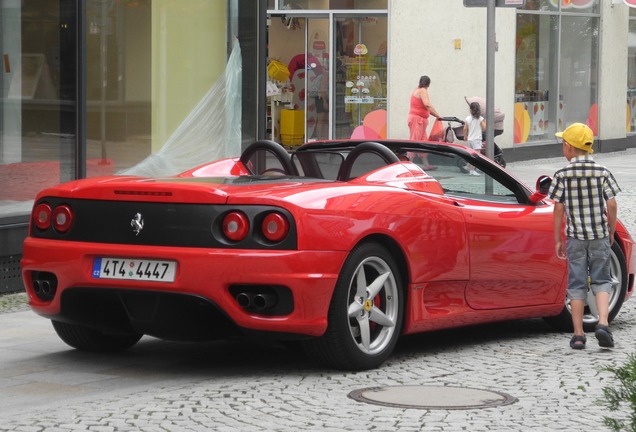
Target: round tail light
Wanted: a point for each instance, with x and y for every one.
(62, 218)
(275, 227)
(235, 226)
(42, 216)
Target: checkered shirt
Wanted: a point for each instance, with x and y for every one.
(583, 187)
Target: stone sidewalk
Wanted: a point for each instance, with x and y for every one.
(225, 386)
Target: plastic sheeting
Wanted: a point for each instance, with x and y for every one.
(210, 132)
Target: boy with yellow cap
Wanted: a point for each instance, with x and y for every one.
(584, 192)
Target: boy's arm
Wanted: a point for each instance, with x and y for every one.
(612, 210)
(559, 211)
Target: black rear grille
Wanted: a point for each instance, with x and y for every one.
(164, 224)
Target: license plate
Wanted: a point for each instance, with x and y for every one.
(134, 269)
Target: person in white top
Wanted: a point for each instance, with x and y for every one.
(474, 127)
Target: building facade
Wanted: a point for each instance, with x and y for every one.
(98, 87)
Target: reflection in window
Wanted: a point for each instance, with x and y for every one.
(536, 79)
(572, 6)
(119, 76)
(146, 73)
(36, 141)
(330, 4)
(579, 70)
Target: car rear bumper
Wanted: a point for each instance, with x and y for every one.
(208, 274)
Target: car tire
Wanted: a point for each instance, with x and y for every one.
(366, 312)
(87, 339)
(618, 270)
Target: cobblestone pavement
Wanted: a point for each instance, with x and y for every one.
(232, 386)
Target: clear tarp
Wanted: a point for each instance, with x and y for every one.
(211, 131)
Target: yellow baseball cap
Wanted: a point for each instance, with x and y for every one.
(578, 135)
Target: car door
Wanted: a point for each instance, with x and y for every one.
(511, 244)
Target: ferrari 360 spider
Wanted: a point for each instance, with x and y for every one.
(340, 245)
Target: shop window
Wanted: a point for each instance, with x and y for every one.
(329, 4)
(38, 100)
(580, 6)
(574, 6)
(538, 105)
(149, 64)
(303, 104)
(556, 73)
(578, 81)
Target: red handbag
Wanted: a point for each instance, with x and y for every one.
(437, 132)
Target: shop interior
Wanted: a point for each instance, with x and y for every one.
(327, 77)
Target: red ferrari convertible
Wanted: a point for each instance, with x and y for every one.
(342, 245)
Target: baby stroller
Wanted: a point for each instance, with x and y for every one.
(459, 133)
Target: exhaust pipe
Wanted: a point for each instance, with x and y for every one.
(264, 301)
(244, 300)
(46, 287)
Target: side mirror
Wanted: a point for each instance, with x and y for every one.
(542, 188)
(543, 184)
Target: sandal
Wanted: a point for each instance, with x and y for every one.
(604, 336)
(578, 342)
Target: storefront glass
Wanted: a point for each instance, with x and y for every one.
(574, 6)
(149, 63)
(578, 83)
(119, 78)
(361, 77)
(156, 60)
(580, 6)
(303, 102)
(328, 4)
(38, 107)
(542, 5)
(556, 74)
(536, 77)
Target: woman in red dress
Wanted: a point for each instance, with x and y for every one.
(421, 109)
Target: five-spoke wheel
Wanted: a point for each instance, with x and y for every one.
(366, 312)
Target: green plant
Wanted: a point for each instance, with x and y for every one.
(624, 394)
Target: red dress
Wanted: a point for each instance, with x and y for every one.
(418, 119)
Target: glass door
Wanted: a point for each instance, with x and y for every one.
(298, 89)
(360, 77)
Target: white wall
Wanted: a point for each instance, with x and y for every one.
(423, 43)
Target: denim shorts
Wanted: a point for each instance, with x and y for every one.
(588, 265)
